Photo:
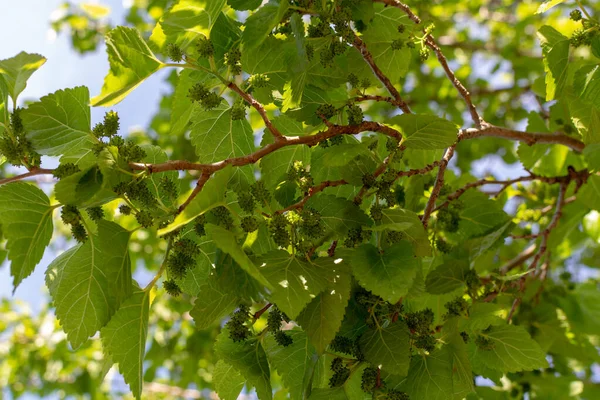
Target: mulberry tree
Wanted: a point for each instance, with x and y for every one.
(338, 199)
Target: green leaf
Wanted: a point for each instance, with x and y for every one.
(447, 277)
(17, 70)
(296, 282)
(480, 215)
(4, 115)
(378, 37)
(217, 137)
(582, 307)
(156, 155)
(89, 281)
(555, 48)
(513, 351)
(188, 20)
(227, 380)
(389, 274)
(388, 347)
(85, 188)
(211, 195)
(242, 5)
(227, 242)
(545, 6)
(338, 214)
(398, 219)
(322, 317)
(586, 84)
(421, 131)
(591, 152)
(262, 22)
(294, 362)
(444, 374)
(211, 305)
(249, 358)
(481, 316)
(274, 166)
(60, 122)
(124, 338)
(131, 62)
(26, 219)
(198, 276)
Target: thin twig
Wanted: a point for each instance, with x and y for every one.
(258, 107)
(431, 43)
(199, 185)
(368, 57)
(518, 260)
(439, 182)
(311, 192)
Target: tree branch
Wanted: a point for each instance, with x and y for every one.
(199, 185)
(430, 42)
(530, 138)
(32, 172)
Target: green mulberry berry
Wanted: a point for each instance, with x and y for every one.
(326, 110)
(576, 15)
(70, 215)
(198, 92)
(212, 100)
(376, 212)
(355, 114)
(95, 213)
(424, 54)
(310, 51)
(223, 217)
(283, 339)
(246, 201)
(260, 192)
(174, 52)
(249, 224)
(353, 80)
(79, 233)
(111, 123)
(187, 247)
(64, 170)
(341, 373)
(420, 321)
(396, 395)
(456, 307)
(124, 209)
(465, 337)
(168, 187)
(144, 218)
(205, 48)
(369, 379)
(232, 60)
(238, 112)
(172, 288)
(397, 44)
(258, 81)
(336, 140)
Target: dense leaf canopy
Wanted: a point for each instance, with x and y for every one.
(346, 199)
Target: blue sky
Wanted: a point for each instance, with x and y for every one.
(25, 26)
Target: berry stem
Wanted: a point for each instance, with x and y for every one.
(584, 10)
(260, 312)
(162, 268)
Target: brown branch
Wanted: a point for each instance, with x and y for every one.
(32, 172)
(258, 107)
(199, 185)
(390, 100)
(311, 192)
(368, 57)
(260, 312)
(481, 182)
(439, 182)
(431, 43)
(530, 138)
(312, 140)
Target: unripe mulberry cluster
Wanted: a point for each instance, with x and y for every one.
(182, 257)
(237, 324)
(274, 326)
